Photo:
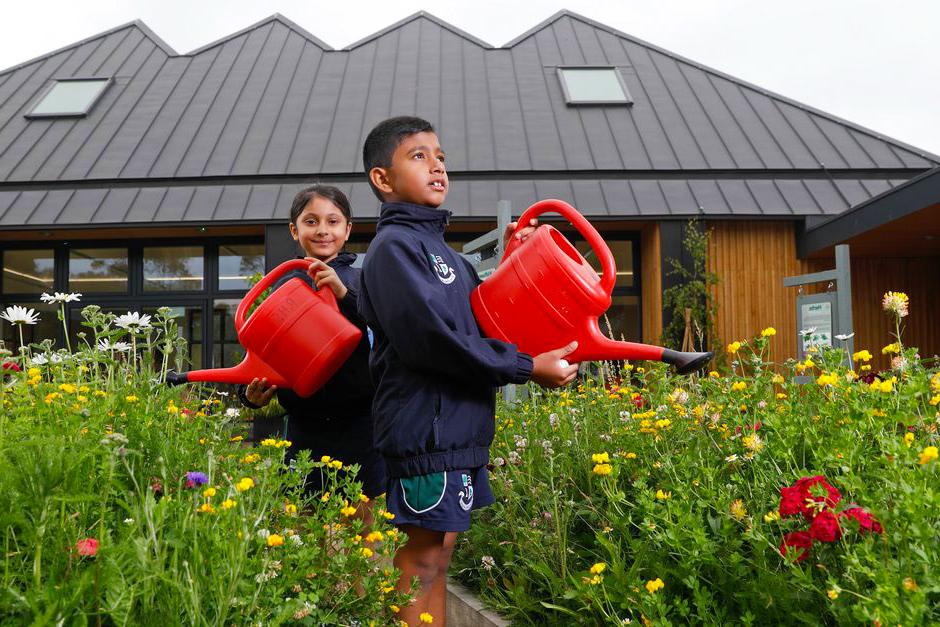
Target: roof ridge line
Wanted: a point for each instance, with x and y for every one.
(274, 17)
(415, 16)
(734, 79)
(139, 24)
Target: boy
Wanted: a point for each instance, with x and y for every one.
(435, 374)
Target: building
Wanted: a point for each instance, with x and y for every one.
(142, 177)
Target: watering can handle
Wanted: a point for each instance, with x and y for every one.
(270, 279)
(579, 222)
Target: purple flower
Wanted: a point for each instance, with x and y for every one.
(196, 478)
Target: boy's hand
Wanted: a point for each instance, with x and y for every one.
(552, 370)
(259, 392)
(522, 235)
(324, 275)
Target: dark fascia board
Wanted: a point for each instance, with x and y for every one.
(416, 16)
(132, 24)
(276, 17)
(770, 94)
(920, 192)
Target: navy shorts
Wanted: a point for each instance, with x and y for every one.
(440, 501)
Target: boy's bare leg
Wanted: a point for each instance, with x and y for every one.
(419, 557)
(438, 605)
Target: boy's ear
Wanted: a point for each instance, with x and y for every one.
(381, 180)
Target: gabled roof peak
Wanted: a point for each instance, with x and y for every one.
(275, 17)
(416, 16)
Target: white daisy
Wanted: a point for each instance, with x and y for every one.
(133, 322)
(232, 412)
(16, 314)
(60, 297)
(39, 360)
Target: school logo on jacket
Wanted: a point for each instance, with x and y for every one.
(466, 494)
(444, 272)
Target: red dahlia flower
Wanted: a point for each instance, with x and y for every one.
(791, 501)
(798, 543)
(87, 547)
(825, 527)
(866, 522)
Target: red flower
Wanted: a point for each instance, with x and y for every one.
(866, 522)
(825, 527)
(791, 501)
(638, 402)
(9, 365)
(798, 543)
(831, 499)
(87, 547)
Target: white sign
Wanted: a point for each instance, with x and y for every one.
(818, 318)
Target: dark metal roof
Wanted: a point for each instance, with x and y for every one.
(92, 205)
(905, 199)
(272, 100)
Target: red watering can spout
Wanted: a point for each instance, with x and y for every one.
(250, 368)
(544, 294)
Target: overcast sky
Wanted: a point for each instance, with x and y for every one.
(874, 63)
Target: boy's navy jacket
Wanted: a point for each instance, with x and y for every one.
(434, 372)
(348, 393)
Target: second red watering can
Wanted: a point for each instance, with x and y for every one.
(544, 294)
(297, 337)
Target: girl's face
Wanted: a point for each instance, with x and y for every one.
(321, 229)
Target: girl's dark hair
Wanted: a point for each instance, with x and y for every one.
(333, 194)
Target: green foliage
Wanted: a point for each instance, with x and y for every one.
(679, 479)
(692, 292)
(92, 446)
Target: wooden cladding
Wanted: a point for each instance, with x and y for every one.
(651, 301)
(752, 258)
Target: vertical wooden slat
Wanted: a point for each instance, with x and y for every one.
(651, 286)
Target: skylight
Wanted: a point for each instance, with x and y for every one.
(69, 97)
(593, 85)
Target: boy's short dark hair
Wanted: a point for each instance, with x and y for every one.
(382, 141)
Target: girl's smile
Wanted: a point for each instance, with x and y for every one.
(321, 229)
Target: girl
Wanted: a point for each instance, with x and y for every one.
(337, 419)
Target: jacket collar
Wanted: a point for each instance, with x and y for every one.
(419, 217)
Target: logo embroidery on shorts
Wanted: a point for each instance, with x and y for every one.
(466, 495)
(444, 272)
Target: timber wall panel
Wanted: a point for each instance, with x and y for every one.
(651, 284)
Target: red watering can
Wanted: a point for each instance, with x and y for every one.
(297, 337)
(544, 294)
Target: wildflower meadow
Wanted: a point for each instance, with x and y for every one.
(127, 502)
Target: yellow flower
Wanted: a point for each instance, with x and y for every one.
(207, 508)
(388, 515)
(600, 458)
(909, 584)
(935, 400)
(68, 388)
(395, 609)
(778, 379)
(654, 584)
(325, 497)
(275, 540)
(753, 443)
(251, 458)
(630, 456)
(928, 455)
(737, 386)
(602, 469)
(99, 393)
(827, 379)
(771, 516)
(426, 618)
(366, 552)
(598, 568)
(237, 438)
(832, 594)
(347, 511)
(908, 439)
(269, 442)
(131, 398)
(228, 504)
(363, 498)
(338, 465)
(662, 495)
(862, 355)
(714, 374)
(738, 510)
(734, 347)
(325, 459)
(208, 493)
(33, 372)
(244, 484)
(896, 303)
(781, 396)
(891, 348)
(290, 508)
(374, 536)
(768, 332)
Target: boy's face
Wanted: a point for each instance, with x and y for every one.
(417, 174)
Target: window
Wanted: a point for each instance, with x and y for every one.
(237, 264)
(98, 270)
(173, 268)
(593, 85)
(69, 97)
(28, 271)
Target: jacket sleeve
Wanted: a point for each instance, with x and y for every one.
(400, 297)
(349, 305)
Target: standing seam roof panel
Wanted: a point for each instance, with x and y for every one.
(340, 152)
(318, 118)
(481, 144)
(453, 97)
(405, 83)
(509, 138)
(798, 153)
(843, 141)
(543, 135)
(820, 145)
(771, 153)
(428, 90)
(378, 95)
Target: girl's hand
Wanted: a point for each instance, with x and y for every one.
(259, 392)
(552, 370)
(522, 235)
(324, 275)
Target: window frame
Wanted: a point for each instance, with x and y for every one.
(569, 100)
(69, 114)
